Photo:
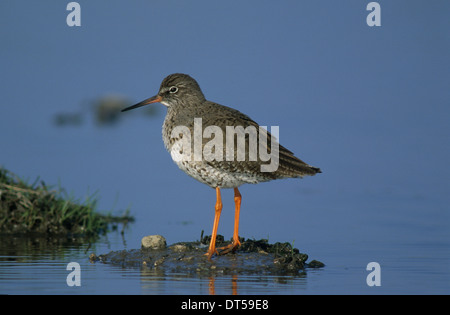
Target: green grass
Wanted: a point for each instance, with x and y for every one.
(36, 208)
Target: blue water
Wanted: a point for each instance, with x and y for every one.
(410, 244)
(407, 267)
(345, 218)
(369, 106)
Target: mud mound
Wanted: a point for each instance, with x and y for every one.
(252, 258)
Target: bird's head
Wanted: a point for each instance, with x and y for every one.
(176, 89)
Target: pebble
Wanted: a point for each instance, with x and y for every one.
(153, 242)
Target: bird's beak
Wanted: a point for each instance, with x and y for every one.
(153, 99)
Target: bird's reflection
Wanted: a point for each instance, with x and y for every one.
(234, 285)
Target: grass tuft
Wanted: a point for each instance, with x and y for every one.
(36, 208)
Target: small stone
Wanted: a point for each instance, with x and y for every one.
(180, 248)
(153, 242)
(316, 264)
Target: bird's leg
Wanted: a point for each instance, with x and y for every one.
(237, 203)
(236, 243)
(218, 209)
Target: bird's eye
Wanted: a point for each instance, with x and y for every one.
(173, 89)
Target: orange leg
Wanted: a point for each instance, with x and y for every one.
(236, 243)
(212, 245)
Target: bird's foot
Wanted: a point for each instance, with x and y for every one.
(211, 252)
(229, 248)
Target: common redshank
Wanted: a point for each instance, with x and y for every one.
(228, 160)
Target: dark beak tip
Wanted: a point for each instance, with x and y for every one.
(127, 108)
(153, 99)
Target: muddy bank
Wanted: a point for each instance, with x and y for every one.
(252, 258)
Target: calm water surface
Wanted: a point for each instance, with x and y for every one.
(345, 220)
(38, 266)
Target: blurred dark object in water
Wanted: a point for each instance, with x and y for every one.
(107, 109)
(68, 119)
